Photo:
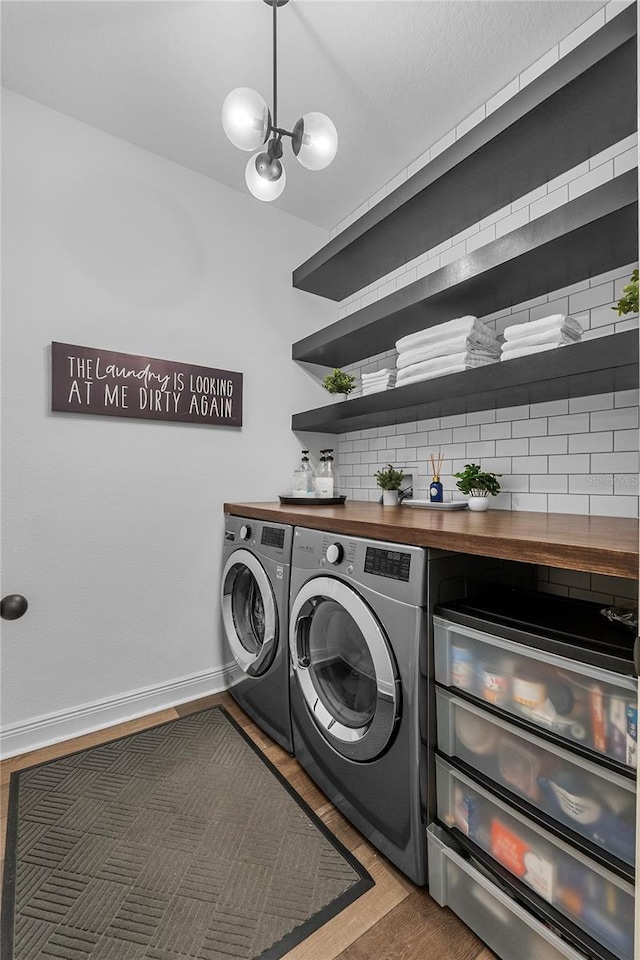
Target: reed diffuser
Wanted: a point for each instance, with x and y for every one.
(435, 487)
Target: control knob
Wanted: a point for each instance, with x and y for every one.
(245, 531)
(335, 553)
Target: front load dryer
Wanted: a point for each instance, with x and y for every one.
(358, 640)
(255, 599)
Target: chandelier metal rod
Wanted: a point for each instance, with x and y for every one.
(275, 67)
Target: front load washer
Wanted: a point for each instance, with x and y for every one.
(357, 637)
(360, 639)
(255, 601)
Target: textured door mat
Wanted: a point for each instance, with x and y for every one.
(179, 843)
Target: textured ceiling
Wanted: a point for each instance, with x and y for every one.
(393, 75)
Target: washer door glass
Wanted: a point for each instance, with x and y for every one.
(340, 665)
(249, 613)
(344, 667)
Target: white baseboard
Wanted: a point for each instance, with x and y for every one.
(67, 724)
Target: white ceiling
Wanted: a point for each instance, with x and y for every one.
(394, 75)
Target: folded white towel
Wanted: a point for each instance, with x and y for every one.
(557, 321)
(382, 379)
(559, 339)
(378, 389)
(487, 346)
(465, 359)
(442, 331)
(386, 372)
(442, 372)
(527, 351)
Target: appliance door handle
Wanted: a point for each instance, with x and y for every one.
(302, 643)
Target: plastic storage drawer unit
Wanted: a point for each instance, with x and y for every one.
(589, 895)
(504, 925)
(580, 703)
(596, 803)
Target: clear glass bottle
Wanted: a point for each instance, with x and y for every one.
(304, 478)
(326, 481)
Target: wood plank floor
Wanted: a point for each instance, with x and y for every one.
(395, 920)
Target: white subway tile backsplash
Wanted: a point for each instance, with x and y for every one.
(590, 298)
(631, 323)
(603, 401)
(626, 161)
(591, 180)
(625, 484)
(581, 33)
(529, 501)
(591, 483)
(537, 464)
(614, 7)
(512, 448)
(615, 462)
(626, 440)
(456, 420)
(537, 427)
(623, 418)
(466, 434)
(481, 416)
(495, 431)
(512, 222)
(568, 503)
(481, 238)
(572, 423)
(571, 463)
(513, 413)
(548, 445)
(503, 95)
(443, 144)
(550, 202)
(539, 67)
(549, 484)
(613, 506)
(591, 442)
(626, 398)
(550, 408)
(480, 449)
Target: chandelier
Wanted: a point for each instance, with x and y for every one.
(249, 124)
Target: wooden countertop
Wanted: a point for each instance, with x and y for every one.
(606, 545)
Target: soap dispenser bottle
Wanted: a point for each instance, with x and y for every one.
(304, 478)
(326, 481)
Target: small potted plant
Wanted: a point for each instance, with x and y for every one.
(339, 384)
(478, 485)
(628, 302)
(389, 481)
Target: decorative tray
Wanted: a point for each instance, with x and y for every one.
(313, 501)
(429, 505)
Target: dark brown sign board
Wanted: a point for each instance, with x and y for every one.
(89, 380)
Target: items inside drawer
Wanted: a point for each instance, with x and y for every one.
(588, 895)
(582, 704)
(592, 801)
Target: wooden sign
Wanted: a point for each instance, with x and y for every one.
(86, 380)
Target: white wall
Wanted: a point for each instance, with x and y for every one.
(112, 528)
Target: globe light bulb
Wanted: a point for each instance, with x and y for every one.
(261, 188)
(316, 139)
(245, 118)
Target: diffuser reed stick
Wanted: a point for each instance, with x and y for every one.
(435, 488)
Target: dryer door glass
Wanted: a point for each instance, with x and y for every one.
(249, 613)
(344, 668)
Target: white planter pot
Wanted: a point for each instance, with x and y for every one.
(390, 498)
(478, 502)
(339, 397)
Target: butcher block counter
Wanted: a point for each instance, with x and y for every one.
(606, 545)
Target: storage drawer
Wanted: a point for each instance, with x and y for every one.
(589, 895)
(580, 703)
(594, 802)
(505, 926)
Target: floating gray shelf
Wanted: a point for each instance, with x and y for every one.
(583, 238)
(580, 106)
(582, 369)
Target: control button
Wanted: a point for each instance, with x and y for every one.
(245, 532)
(335, 553)
(350, 568)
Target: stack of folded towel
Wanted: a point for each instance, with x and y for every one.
(547, 333)
(447, 348)
(378, 381)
